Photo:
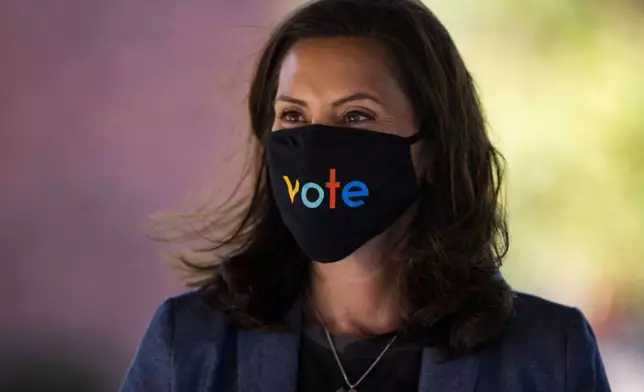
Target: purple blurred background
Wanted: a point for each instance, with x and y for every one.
(108, 110)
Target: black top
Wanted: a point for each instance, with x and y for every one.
(397, 370)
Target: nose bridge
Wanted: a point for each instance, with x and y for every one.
(322, 112)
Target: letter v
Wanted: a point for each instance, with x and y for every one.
(292, 192)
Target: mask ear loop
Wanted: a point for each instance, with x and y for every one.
(411, 140)
(414, 138)
(264, 139)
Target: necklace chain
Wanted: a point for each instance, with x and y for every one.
(337, 359)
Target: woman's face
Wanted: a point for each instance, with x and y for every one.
(343, 82)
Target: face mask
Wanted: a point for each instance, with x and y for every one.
(337, 188)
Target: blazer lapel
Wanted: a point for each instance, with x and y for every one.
(268, 362)
(438, 375)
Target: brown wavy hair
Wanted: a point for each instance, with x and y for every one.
(454, 292)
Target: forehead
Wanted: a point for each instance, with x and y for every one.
(324, 64)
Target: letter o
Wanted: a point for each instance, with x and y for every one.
(305, 199)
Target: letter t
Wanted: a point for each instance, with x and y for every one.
(332, 185)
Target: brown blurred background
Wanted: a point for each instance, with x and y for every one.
(112, 110)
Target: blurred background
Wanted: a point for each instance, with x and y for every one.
(113, 110)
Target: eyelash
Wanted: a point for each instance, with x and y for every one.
(286, 113)
(367, 117)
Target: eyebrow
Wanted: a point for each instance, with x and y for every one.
(337, 102)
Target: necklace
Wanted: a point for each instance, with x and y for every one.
(353, 386)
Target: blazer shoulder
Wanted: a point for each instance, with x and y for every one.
(560, 335)
(191, 318)
(181, 326)
(543, 323)
(534, 310)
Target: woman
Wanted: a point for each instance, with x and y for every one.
(368, 256)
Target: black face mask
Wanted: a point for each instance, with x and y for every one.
(337, 188)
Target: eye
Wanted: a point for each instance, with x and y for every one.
(291, 116)
(356, 116)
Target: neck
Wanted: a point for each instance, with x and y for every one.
(358, 296)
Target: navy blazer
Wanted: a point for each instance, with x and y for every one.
(189, 347)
